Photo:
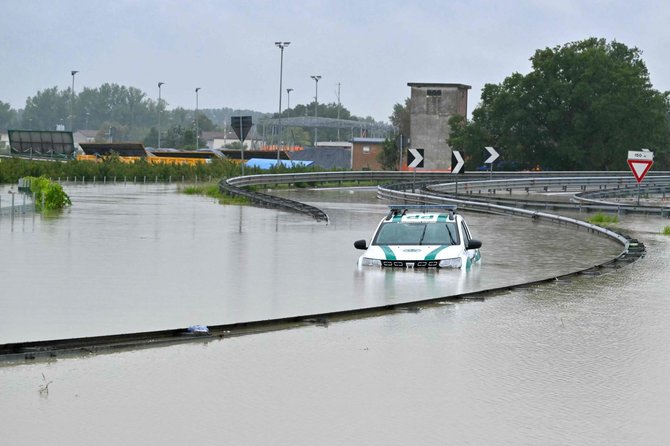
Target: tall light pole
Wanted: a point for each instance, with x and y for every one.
(281, 46)
(338, 111)
(160, 84)
(196, 118)
(316, 105)
(73, 72)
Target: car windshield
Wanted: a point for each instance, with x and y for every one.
(394, 233)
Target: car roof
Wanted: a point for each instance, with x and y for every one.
(428, 214)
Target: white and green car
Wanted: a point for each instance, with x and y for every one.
(421, 236)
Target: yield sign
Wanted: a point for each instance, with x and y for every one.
(493, 155)
(640, 163)
(456, 161)
(415, 158)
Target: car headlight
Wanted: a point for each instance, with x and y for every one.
(366, 261)
(450, 263)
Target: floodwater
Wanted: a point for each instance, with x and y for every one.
(580, 361)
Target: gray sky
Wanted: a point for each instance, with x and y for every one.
(372, 48)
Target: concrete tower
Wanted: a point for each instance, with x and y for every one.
(431, 106)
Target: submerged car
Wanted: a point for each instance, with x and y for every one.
(421, 236)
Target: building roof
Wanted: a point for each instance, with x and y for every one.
(368, 140)
(120, 148)
(437, 85)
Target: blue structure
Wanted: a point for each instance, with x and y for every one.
(270, 163)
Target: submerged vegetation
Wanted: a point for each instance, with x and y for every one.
(49, 195)
(601, 219)
(212, 190)
(666, 230)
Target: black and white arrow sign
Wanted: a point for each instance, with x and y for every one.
(415, 158)
(456, 161)
(494, 155)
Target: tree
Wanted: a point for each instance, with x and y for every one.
(388, 157)
(400, 118)
(7, 116)
(582, 107)
(47, 109)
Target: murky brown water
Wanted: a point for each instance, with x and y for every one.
(585, 361)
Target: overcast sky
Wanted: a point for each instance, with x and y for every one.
(371, 48)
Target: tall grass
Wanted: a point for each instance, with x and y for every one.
(212, 190)
(601, 219)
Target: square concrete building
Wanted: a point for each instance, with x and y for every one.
(431, 106)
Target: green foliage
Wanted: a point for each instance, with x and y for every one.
(400, 119)
(7, 116)
(212, 190)
(49, 195)
(666, 230)
(601, 219)
(582, 107)
(388, 157)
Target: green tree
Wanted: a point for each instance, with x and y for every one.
(47, 109)
(582, 107)
(8, 116)
(400, 118)
(388, 157)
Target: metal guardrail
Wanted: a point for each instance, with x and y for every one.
(16, 203)
(445, 183)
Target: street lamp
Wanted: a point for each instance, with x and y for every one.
(281, 46)
(196, 118)
(316, 105)
(73, 72)
(160, 84)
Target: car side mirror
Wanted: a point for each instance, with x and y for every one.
(474, 244)
(360, 244)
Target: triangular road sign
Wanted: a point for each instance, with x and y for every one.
(640, 168)
(241, 125)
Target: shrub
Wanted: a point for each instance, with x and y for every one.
(601, 219)
(49, 195)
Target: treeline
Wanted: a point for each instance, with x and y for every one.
(120, 113)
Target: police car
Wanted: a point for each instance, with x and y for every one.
(421, 236)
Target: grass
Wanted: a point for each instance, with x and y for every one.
(666, 230)
(212, 190)
(601, 219)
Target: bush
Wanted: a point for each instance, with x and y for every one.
(48, 194)
(601, 219)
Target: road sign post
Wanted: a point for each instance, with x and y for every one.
(640, 162)
(456, 165)
(493, 155)
(414, 160)
(241, 125)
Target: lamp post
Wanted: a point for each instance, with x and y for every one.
(160, 84)
(316, 105)
(73, 72)
(281, 46)
(196, 118)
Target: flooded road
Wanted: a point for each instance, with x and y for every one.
(584, 361)
(129, 258)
